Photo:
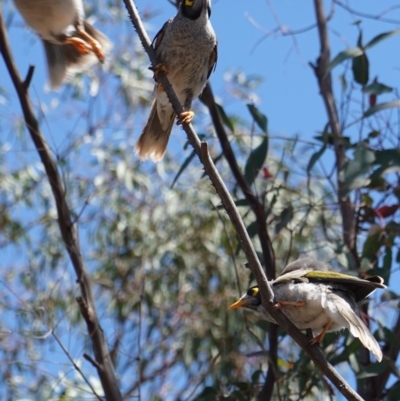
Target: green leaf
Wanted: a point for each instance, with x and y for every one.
(342, 56)
(353, 175)
(329, 140)
(393, 394)
(359, 40)
(387, 335)
(388, 157)
(284, 218)
(343, 82)
(378, 184)
(225, 119)
(208, 394)
(381, 106)
(377, 88)
(260, 118)
(255, 161)
(389, 161)
(387, 265)
(374, 133)
(372, 245)
(381, 37)
(360, 67)
(347, 351)
(238, 203)
(314, 158)
(183, 167)
(373, 370)
(252, 229)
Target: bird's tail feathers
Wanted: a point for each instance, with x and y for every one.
(360, 330)
(154, 139)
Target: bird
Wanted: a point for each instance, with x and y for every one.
(314, 298)
(186, 48)
(70, 43)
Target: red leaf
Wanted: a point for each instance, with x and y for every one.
(386, 211)
(372, 99)
(266, 174)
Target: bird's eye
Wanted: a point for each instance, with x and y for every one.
(253, 292)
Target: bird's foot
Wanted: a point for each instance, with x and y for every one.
(318, 339)
(93, 44)
(281, 304)
(80, 45)
(185, 118)
(160, 67)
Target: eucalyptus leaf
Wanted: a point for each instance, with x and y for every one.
(255, 161)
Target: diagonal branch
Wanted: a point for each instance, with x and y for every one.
(257, 207)
(267, 296)
(259, 211)
(67, 228)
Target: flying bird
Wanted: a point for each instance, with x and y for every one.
(70, 43)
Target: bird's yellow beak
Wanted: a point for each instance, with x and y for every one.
(238, 304)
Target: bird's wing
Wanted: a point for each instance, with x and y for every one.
(212, 64)
(159, 36)
(298, 275)
(361, 288)
(358, 329)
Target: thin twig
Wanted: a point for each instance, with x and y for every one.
(77, 368)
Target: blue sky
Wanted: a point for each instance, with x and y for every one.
(289, 94)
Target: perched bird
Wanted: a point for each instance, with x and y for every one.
(314, 298)
(71, 44)
(186, 48)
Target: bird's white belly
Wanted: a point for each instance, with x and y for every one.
(310, 316)
(51, 18)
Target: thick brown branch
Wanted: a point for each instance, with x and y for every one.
(67, 228)
(325, 86)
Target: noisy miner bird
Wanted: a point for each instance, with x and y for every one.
(71, 44)
(314, 298)
(186, 47)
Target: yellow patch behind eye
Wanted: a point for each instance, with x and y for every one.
(189, 3)
(253, 291)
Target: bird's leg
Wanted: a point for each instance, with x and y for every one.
(187, 116)
(80, 45)
(94, 45)
(160, 67)
(320, 336)
(156, 70)
(281, 304)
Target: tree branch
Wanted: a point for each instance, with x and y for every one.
(392, 354)
(66, 226)
(267, 296)
(325, 86)
(258, 209)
